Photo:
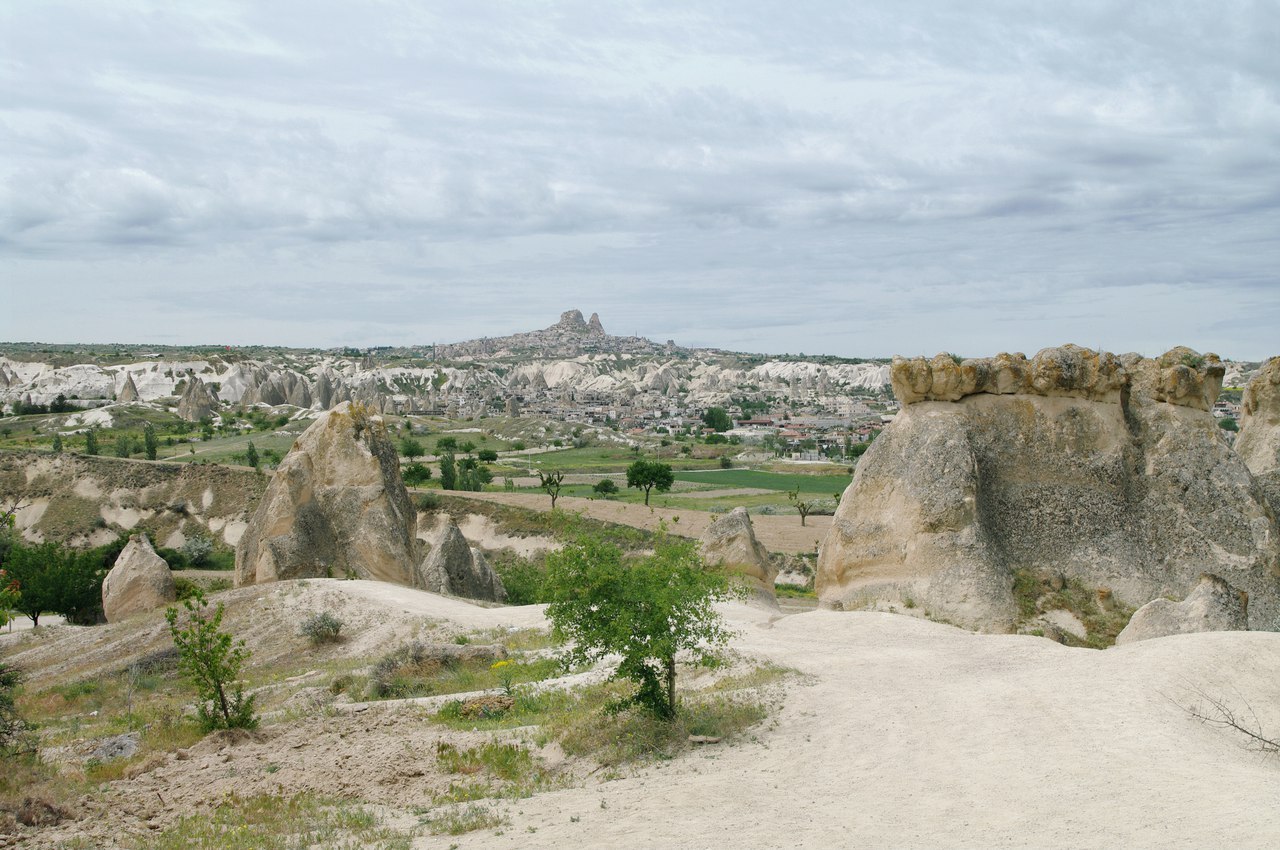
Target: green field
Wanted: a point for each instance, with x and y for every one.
(603, 459)
(825, 485)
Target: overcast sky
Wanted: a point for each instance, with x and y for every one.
(848, 178)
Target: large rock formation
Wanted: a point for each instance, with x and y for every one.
(1102, 468)
(730, 542)
(1214, 606)
(335, 506)
(139, 581)
(198, 401)
(1259, 440)
(456, 569)
(129, 392)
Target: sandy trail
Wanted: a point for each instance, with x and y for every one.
(777, 533)
(918, 734)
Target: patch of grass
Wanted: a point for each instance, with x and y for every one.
(1102, 614)
(823, 484)
(464, 819)
(413, 671)
(509, 762)
(794, 591)
(271, 822)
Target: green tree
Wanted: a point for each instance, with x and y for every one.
(447, 444)
(411, 448)
(149, 441)
(605, 487)
(551, 482)
(91, 441)
(251, 455)
(52, 578)
(487, 456)
(12, 726)
(448, 472)
(124, 445)
(211, 660)
(645, 611)
(57, 442)
(648, 475)
(717, 418)
(1226, 423)
(416, 474)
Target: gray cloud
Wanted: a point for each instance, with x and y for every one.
(846, 178)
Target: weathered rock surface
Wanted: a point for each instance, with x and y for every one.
(140, 581)
(336, 505)
(198, 401)
(1214, 606)
(455, 568)
(730, 542)
(129, 392)
(1109, 470)
(1259, 440)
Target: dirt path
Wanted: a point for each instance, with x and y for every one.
(777, 533)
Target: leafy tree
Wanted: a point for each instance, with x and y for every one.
(468, 447)
(53, 578)
(251, 455)
(648, 475)
(211, 659)
(447, 444)
(149, 441)
(858, 449)
(448, 472)
(411, 448)
(605, 487)
(197, 550)
(646, 611)
(91, 441)
(717, 418)
(1226, 423)
(57, 442)
(551, 482)
(726, 462)
(487, 456)
(416, 474)
(124, 445)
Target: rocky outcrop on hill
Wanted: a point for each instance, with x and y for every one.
(455, 568)
(1101, 468)
(198, 401)
(1259, 440)
(1214, 606)
(336, 506)
(730, 542)
(139, 581)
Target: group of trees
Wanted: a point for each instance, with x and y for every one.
(50, 578)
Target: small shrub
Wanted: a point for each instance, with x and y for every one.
(197, 550)
(13, 728)
(428, 502)
(321, 628)
(605, 487)
(211, 660)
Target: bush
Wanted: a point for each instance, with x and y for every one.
(428, 502)
(605, 487)
(197, 550)
(13, 728)
(321, 628)
(522, 577)
(211, 660)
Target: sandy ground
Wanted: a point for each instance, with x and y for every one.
(777, 533)
(898, 732)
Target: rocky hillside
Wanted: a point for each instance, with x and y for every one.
(573, 361)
